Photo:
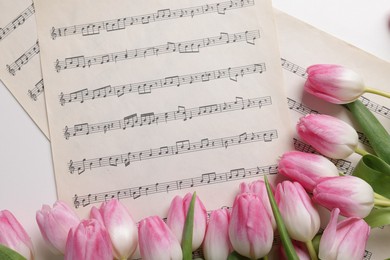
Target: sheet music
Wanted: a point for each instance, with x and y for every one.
(150, 100)
(301, 46)
(20, 69)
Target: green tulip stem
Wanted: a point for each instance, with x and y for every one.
(312, 251)
(382, 203)
(378, 196)
(265, 257)
(361, 151)
(377, 92)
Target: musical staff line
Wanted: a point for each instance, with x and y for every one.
(173, 81)
(304, 110)
(371, 105)
(341, 164)
(164, 187)
(181, 147)
(18, 21)
(192, 46)
(150, 118)
(37, 91)
(23, 60)
(95, 28)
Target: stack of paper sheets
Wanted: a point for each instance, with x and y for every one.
(146, 101)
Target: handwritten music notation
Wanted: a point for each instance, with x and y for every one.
(192, 46)
(164, 187)
(299, 107)
(37, 91)
(367, 255)
(371, 105)
(23, 60)
(161, 15)
(181, 147)
(341, 164)
(146, 87)
(15, 23)
(150, 118)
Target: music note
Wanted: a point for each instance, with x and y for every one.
(17, 22)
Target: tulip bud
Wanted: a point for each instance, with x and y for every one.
(352, 195)
(334, 83)
(55, 223)
(13, 235)
(120, 227)
(156, 241)
(306, 168)
(216, 243)
(258, 188)
(329, 135)
(88, 241)
(250, 228)
(177, 214)
(344, 240)
(300, 217)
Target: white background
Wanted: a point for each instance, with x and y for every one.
(26, 172)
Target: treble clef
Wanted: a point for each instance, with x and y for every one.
(62, 100)
(11, 70)
(58, 66)
(32, 95)
(66, 133)
(71, 167)
(76, 201)
(53, 33)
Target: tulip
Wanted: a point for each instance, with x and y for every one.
(120, 227)
(216, 243)
(352, 195)
(250, 229)
(344, 240)
(177, 214)
(13, 235)
(88, 241)
(300, 249)
(156, 240)
(329, 135)
(55, 223)
(334, 83)
(258, 188)
(300, 217)
(306, 168)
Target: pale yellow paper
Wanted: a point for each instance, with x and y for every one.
(19, 50)
(301, 45)
(222, 140)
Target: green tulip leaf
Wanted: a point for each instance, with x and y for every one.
(378, 217)
(186, 242)
(375, 172)
(9, 254)
(377, 135)
(316, 243)
(285, 238)
(236, 256)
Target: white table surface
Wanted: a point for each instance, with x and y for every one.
(26, 172)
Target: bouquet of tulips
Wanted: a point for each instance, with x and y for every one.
(280, 222)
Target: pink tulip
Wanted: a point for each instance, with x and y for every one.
(250, 228)
(120, 226)
(306, 168)
(352, 195)
(88, 241)
(334, 83)
(177, 214)
(329, 135)
(300, 249)
(156, 241)
(344, 240)
(258, 188)
(13, 235)
(300, 217)
(216, 243)
(55, 223)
